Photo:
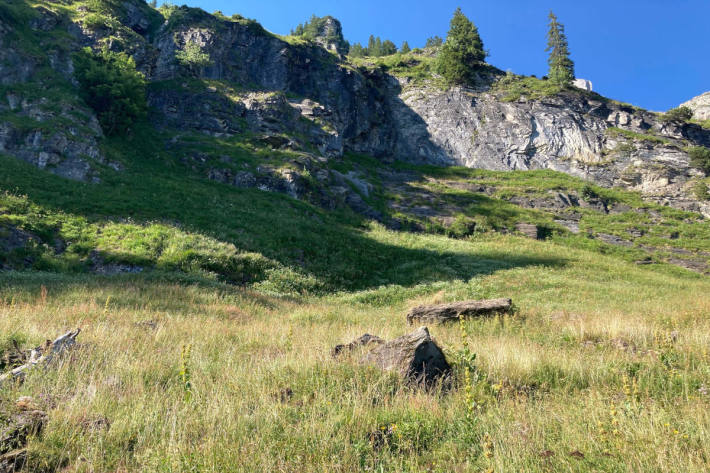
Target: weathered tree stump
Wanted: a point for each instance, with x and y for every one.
(415, 357)
(453, 311)
(43, 355)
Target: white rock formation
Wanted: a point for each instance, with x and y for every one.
(583, 84)
(700, 106)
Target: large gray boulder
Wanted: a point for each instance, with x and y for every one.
(415, 357)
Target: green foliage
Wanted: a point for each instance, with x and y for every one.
(561, 66)
(193, 57)
(112, 87)
(700, 158)
(462, 52)
(677, 115)
(356, 51)
(317, 27)
(375, 48)
(405, 48)
(434, 42)
(418, 69)
(512, 87)
(632, 135)
(702, 191)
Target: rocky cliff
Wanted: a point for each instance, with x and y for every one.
(296, 93)
(700, 106)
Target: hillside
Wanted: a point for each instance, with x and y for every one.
(279, 198)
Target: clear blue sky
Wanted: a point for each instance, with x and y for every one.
(652, 53)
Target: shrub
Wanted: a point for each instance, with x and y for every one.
(700, 158)
(112, 87)
(193, 57)
(701, 191)
(677, 115)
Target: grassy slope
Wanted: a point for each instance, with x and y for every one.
(556, 378)
(584, 322)
(548, 376)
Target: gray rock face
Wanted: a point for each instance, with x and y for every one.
(700, 106)
(330, 36)
(415, 357)
(40, 135)
(568, 133)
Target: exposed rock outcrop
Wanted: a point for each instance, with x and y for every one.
(700, 106)
(60, 136)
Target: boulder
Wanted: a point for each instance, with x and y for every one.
(365, 340)
(529, 230)
(415, 357)
(583, 84)
(454, 311)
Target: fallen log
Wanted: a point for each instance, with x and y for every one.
(43, 356)
(455, 310)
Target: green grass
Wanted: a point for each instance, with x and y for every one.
(512, 87)
(584, 334)
(417, 68)
(632, 135)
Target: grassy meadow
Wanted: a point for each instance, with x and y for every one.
(603, 367)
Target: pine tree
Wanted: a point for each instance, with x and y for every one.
(405, 48)
(371, 46)
(434, 42)
(356, 50)
(462, 51)
(561, 66)
(388, 48)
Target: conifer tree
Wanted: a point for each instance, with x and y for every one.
(372, 46)
(405, 48)
(462, 51)
(388, 48)
(561, 66)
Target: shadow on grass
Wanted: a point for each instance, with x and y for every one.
(330, 247)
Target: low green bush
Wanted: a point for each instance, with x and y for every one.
(700, 158)
(112, 87)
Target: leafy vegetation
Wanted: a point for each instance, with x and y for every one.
(677, 115)
(326, 27)
(700, 158)
(512, 87)
(632, 135)
(702, 191)
(225, 335)
(462, 52)
(376, 48)
(193, 57)
(112, 87)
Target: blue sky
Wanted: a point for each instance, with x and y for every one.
(652, 53)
